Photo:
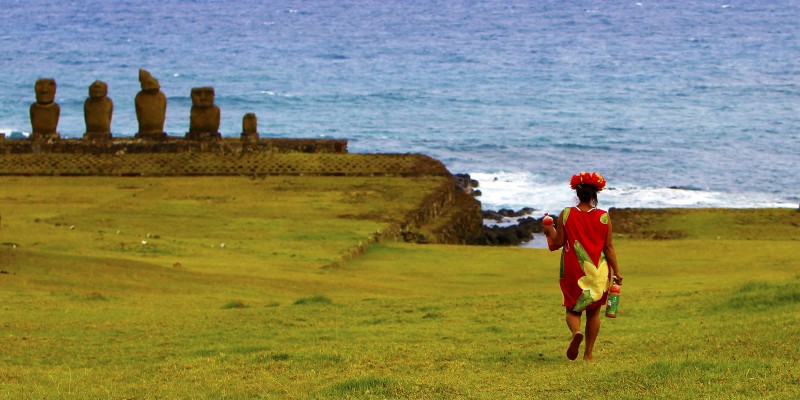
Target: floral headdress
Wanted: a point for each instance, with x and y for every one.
(588, 178)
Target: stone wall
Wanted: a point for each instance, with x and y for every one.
(219, 164)
(172, 145)
(447, 215)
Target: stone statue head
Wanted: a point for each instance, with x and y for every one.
(203, 96)
(249, 124)
(98, 89)
(45, 90)
(147, 81)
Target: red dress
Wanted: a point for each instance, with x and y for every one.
(585, 276)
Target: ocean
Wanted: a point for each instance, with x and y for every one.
(677, 104)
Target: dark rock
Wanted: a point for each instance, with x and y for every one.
(506, 212)
(493, 215)
(466, 184)
(415, 237)
(512, 235)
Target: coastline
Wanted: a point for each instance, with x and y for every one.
(651, 224)
(521, 227)
(542, 193)
(326, 258)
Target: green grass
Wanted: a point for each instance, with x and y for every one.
(313, 300)
(91, 313)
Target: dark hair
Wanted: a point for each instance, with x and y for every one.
(587, 194)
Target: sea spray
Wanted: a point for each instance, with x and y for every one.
(516, 190)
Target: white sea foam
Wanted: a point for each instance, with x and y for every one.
(516, 190)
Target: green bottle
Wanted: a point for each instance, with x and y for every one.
(612, 306)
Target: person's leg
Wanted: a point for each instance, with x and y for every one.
(573, 321)
(574, 324)
(592, 329)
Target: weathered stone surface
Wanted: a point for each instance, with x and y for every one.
(16, 145)
(151, 108)
(45, 112)
(251, 164)
(249, 128)
(204, 118)
(97, 112)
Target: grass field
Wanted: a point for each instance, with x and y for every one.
(211, 288)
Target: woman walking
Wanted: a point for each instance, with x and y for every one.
(584, 236)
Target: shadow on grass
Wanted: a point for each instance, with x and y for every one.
(313, 300)
(368, 385)
(691, 378)
(762, 296)
(274, 357)
(234, 304)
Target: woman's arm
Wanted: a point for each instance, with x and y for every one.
(555, 237)
(611, 255)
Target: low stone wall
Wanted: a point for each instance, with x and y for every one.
(448, 214)
(219, 164)
(463, 223)
(172, 145)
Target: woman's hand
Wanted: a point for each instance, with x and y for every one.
(618, 278)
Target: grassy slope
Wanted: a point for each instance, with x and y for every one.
(88, 311)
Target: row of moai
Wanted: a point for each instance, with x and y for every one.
(151, 111)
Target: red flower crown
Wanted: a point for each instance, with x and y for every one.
(588, 178)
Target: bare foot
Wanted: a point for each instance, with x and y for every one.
(574, 346)
(588, 357)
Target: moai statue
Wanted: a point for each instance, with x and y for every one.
(45, 112)
(151, 108)
(97, 111)
(249, 128)
(204, 117)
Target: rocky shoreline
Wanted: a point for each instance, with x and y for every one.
(507, 227)
(504, 227)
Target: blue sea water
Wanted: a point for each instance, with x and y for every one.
(678, 104)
